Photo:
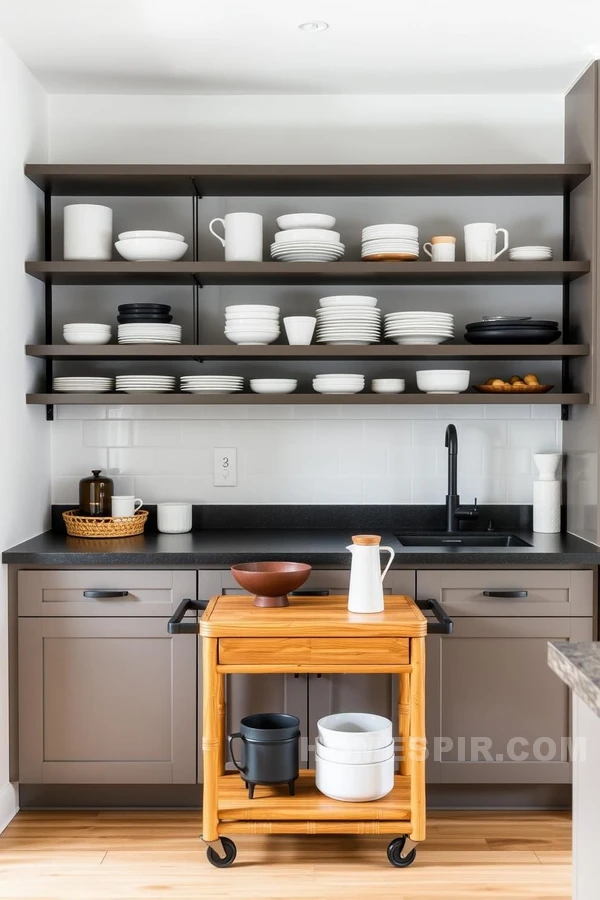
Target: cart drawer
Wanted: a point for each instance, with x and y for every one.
(318, 651)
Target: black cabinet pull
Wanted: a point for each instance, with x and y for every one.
(443, 623)
(506, 595)
(176, 625)
(105, 595)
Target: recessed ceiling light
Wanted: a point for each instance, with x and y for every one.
(313, 26)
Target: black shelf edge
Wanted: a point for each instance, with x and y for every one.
(308, 180)
(313, 352)
(354, 272)
(303, 399)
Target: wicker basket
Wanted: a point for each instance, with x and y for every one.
(513, 388)
(97, 527)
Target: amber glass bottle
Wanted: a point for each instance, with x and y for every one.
(95, 494)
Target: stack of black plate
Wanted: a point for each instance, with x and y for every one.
(134, 313)
(512, 330)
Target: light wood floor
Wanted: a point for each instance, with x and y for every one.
(128, 855)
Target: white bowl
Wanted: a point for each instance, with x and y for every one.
(273, 385)
(161, 235)
(354, 784)
(83, 338)
(305, 220)
(151, 249)
(354, 757)
(307, 234)
(355, 731)
(347, 300)
(255, 339)
(388, 386)
(443, 381)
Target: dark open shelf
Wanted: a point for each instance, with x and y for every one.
(284, 352)
(60, 272)
(302, 399)
(313, 180)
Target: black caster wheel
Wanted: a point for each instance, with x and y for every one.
(395, 849)
(222, 862)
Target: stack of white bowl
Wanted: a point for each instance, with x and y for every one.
(390, 242)
(151, 384)
(530, 254)
(149, 246)
(211, 384)
(86, 333)
(416, 327)
(307, 237)
(338, 384)
(355, 757)
(252, 324)
(347, 320)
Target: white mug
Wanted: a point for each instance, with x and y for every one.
(480, 242)
(243, 238)
(174, 518)
(88, 231)
(441, 249)
(125, 505)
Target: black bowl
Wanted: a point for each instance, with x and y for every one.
(144, 307)
(531, 324)
(504, 335)
(138, 320)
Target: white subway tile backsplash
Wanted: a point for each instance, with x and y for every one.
(305, 454)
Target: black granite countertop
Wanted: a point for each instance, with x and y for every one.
(318, 546)
(578, 665)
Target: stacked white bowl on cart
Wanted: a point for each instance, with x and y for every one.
(354, 757)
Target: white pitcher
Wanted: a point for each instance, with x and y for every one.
(366, 577)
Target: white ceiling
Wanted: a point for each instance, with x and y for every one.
(255, 46)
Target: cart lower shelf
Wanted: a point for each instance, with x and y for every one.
(273, 811)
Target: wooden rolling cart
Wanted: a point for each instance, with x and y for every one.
(314, 634)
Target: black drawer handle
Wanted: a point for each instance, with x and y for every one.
(506, 595)
(176, 625)
(105, 595)
(443, 623)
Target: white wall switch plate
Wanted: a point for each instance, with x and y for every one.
(225, 467)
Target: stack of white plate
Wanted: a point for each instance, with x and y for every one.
(86, 333)
(148, 246)
(390, 242)
(83, 384)
(149, 333)
(307, 245)
(252, 324)
(419, 327)
(211, 384)
(531, 254)
(151, 384)
(354, 324)
(338, 384)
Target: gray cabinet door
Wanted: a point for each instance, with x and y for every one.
(358, 693)
(495, 711)
(106, 701)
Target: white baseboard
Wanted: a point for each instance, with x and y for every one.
(9, 804)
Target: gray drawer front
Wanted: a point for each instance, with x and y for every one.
(61, 593)
(555, 592)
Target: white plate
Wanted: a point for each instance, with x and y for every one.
(146, 341)
(307, 234)
(306, 254)
(312, 257)
(253, 308)
(161, 235)
(145, 390)
(211, 391)
(305, 220)
(419, 339)
(344, 301)
(307, 245)
(337, 391)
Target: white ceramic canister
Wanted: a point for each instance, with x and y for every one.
(174, 518)
(88, 231)
(366, 578)
(547, 494)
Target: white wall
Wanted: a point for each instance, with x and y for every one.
(24, 448)
(310, 455)
(306, 129)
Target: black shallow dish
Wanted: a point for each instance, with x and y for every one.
(531, 323)
(138, 320)
(144, 307)
(503, 335)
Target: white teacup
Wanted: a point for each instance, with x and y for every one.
(441, 248)
(243, 236)
(125, 505)
(174, 518)
(299, 329)
(480, 242)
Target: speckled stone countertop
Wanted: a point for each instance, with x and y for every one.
(578, 665)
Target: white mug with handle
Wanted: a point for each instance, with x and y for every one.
(481, 240)
(125, 505)
(242, 238)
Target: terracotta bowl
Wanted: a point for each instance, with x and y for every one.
(271, 581)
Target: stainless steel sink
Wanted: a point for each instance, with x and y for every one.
(458, 539)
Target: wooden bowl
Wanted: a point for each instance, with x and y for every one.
(271, 581)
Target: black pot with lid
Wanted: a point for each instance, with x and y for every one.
(95, 494)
